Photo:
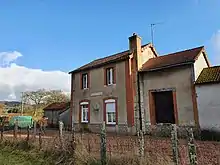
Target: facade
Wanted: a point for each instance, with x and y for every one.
(53, 111)
(105, 89)
(121, 89)
(168, 87)
(208, 96)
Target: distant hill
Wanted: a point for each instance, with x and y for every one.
(10, 103)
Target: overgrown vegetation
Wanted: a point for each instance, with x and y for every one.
(21, 153)
(64, 147)
(27, 153)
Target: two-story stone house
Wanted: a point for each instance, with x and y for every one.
(107, 89)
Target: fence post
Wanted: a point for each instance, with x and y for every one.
(141, 146)
(89, 147)
(192, 148)
(61, 133)
(2, 130)
(28, 133)
(40, 140)
(103, 145)
(35, 128)
(73, 142)
(15, 129)
(174, 142)
(110, 151)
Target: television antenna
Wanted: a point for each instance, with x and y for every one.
(152, 30)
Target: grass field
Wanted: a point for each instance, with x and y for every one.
(9, 157)
(23, 153)
(14, 154)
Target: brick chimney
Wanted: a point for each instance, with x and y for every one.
(135, 48)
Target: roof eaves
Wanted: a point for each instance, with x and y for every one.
(102, 64)
(207, 83)
(118, 59)
(167, 66)
(206, 59)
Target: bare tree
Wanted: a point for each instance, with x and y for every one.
(55, 96)
(43, 97)
(35, 98)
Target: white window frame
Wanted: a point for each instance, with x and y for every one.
(86, 81)
(82, 109)
(110, 80)
(110, 101)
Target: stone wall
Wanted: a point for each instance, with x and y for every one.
(164, 130)
(121, 129)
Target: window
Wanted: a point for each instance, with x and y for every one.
(110, 77)
(84, 112)
(84, 81)
(110, 107)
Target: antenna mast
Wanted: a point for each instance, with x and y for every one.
(152, 31)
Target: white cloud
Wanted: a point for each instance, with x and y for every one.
(215, 40)
(14, 78)
(7, 57)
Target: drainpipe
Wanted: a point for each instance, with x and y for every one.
(71, 103)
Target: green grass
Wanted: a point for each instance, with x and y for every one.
(14, 155)
(8, 157)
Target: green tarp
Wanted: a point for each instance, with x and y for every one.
(23, 121)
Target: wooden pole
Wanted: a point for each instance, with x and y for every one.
(40, 140)
(16, 129)
(28, 133)
(73, 142)
(174, 142)
(35, 129)
(61, 134)
(22, 104)
(89, 147)
(141, 146)
(192, 148)
(2, 130)
(103, 145)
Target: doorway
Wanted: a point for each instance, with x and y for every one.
(164, 107)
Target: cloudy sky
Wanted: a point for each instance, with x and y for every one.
(17, 78)
(41, 41)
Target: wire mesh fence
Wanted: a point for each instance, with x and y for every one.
(122, 149)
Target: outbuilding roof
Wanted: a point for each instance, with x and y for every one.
(57, 106)
(173, 59)
(209, 75)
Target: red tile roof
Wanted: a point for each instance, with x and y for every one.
(57, 106)
(106, 60)
(209, 75)
(173, 59)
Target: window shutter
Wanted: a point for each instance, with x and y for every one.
(81, 81)
(88, 80)
(80, 114)
(105, 76)
(114, 75)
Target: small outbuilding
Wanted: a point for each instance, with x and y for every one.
(208, 98)
(56, 112)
